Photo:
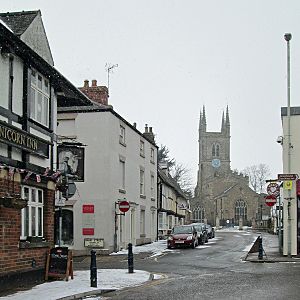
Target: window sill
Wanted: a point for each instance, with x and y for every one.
(143, 235)
(143, 196)
(28, 245)
(122, 191)
(122, 143)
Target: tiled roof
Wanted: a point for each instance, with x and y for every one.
(19, 21)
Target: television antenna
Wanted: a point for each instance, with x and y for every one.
(109, 69)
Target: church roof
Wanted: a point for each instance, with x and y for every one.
(19, 21)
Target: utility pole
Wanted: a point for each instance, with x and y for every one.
(288, 37)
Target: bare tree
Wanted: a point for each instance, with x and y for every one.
(178, 171)
(182, 175)
(257, 176)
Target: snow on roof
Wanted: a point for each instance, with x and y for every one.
(5, 25)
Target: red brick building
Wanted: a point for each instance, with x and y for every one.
(30, 91)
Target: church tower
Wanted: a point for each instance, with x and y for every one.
(214, 151)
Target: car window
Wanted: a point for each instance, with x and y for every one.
(181, 229)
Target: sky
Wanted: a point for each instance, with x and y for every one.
(174, 57)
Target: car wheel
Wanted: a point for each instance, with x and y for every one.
(201, 241)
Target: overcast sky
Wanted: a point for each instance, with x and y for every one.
(176, 56)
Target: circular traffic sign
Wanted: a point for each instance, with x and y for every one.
(124, 206)
(270, 200)
(273, 189)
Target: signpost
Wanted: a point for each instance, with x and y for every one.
(270, 200)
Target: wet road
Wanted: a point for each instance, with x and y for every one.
(216, 271)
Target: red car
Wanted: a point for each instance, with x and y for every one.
(183, 235)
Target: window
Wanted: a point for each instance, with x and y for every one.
(240, 210)
(39, 99)
(152, 155)
(160, 221)
(215, 150)
(142, 222)
(170, 223)
(152, 186)
(142, 182)
(199, 214)
(122, 174)
(32, 215)
(142, 148)
(122, 135)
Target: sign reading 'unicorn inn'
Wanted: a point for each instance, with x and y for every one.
(16, 137)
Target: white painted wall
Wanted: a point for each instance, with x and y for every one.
(295, 169)
(99, 131)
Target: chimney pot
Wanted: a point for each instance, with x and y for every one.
(86, 83)
(146, 127)
(134, 124)
(150, 129)
(94, 82)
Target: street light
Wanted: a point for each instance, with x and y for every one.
(288, 37)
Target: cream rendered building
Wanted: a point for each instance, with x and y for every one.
(120, 163)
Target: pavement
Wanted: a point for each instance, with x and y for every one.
(271, 254)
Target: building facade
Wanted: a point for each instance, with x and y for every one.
(120, 163)
(173, 204)
(291, 188)
(29, 87)
(222, 196)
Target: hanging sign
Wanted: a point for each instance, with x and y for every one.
(273, 189)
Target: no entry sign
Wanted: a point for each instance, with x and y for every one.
(270, 200)
(124, 206)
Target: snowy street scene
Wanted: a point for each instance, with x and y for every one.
(149, 150)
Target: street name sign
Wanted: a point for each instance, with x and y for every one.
(283, 177)
(270, 200)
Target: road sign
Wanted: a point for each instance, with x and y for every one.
(270, 200)
(124, 206)
(283, 177)
(273, 189)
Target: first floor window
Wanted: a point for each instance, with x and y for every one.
(32, 215)
(142, 222)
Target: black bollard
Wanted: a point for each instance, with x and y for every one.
(260, 248)
(130, 258)
(93, 269)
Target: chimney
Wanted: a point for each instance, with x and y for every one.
(164, 167)
(134, 124)
(96, 93)
(148, 133)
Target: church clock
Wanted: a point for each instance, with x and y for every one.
(216, 163)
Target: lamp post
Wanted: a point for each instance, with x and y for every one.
(288, 37)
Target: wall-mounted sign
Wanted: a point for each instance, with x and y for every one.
(93, 242)
(283, 177)
(16, 137)
(88, 219)
(287, 184)
(74, 156)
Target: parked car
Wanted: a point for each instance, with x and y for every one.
(201, 233)
(183, 235)
(210, 231)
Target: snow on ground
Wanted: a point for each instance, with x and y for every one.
(107, 279)
(156, 248)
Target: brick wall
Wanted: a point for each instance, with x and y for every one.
(12, 258)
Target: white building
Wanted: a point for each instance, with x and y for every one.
(173, 204)
(291, 205)
(118, 163)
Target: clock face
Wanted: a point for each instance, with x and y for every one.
(216, 163)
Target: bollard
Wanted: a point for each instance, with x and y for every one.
(93, 269)
(260, 248)
(130, 258)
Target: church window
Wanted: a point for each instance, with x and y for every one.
(198, 214)
(240, 210)
(215, 150)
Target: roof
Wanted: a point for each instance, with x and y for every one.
(167, 179)
(13, 44)
(19, 21)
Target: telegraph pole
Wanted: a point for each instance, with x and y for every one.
(288, 37)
